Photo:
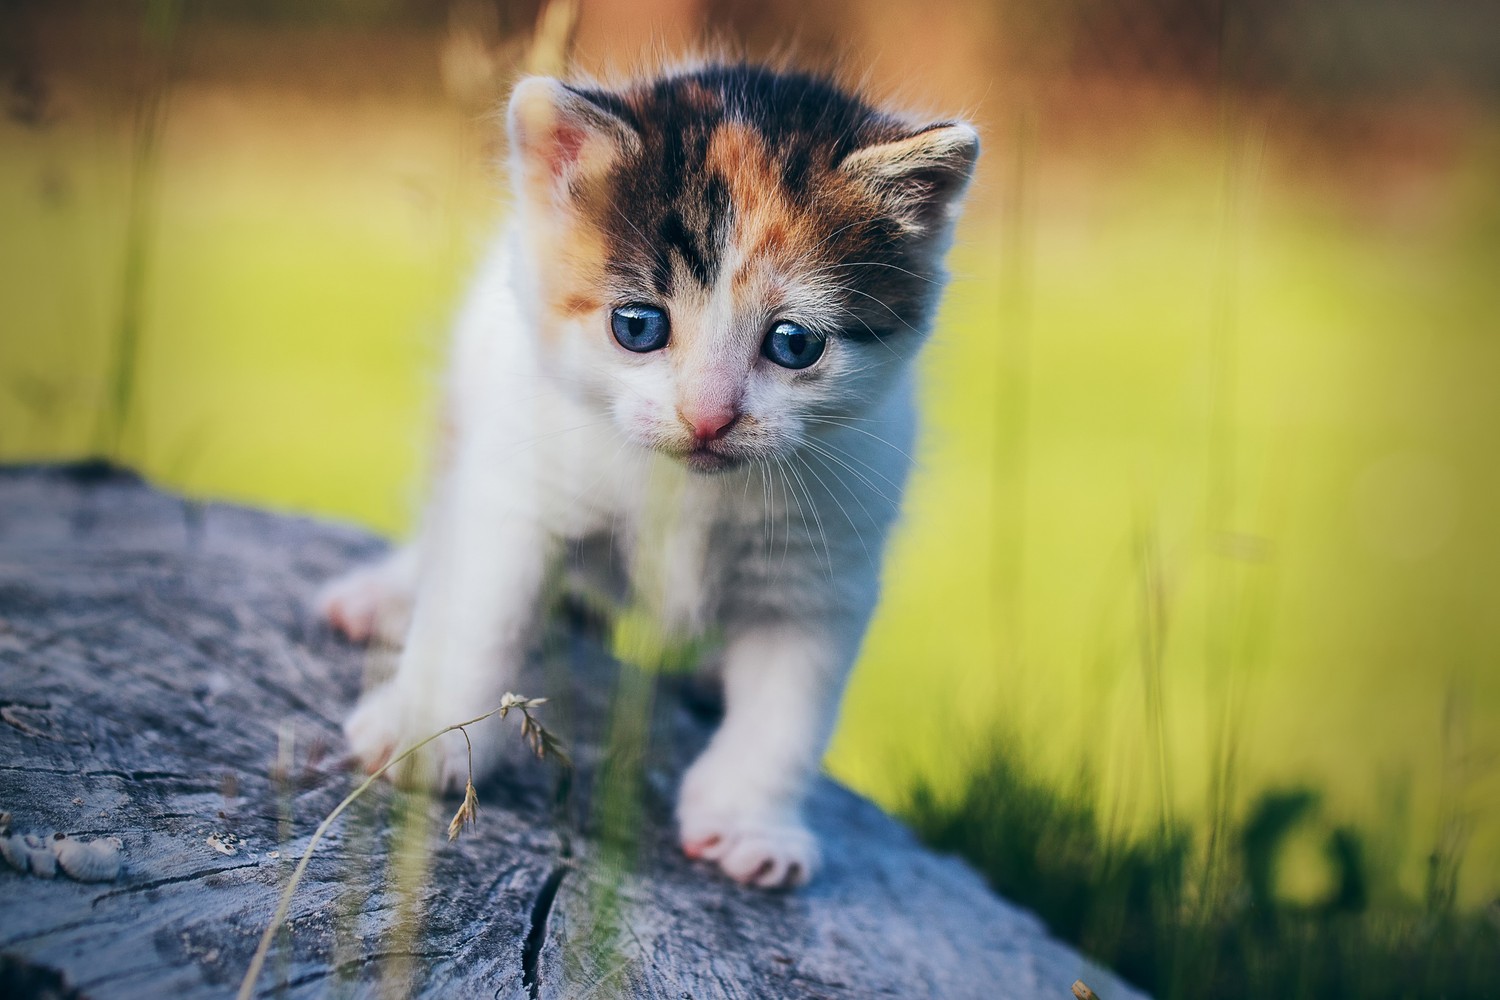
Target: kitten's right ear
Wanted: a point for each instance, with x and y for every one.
(561, 141)
(921, 177)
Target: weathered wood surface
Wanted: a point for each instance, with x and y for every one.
(156, 653)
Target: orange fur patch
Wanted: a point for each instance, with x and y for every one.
(571, 291)
(767, 225)
(771, 229)
(578, 305)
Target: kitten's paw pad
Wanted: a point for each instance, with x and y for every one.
(775, 855)
(385, 724)
(366, 604)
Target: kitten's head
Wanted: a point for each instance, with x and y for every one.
(725, 257)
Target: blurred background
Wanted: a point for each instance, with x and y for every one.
(1191, 637)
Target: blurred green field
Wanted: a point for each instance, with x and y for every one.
(1208, 474)
(1260, 409)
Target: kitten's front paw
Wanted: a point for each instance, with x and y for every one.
(388, 720)
(770, 853)
(371, 602)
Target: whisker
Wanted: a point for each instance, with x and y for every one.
(835, 422)
(844, 228)
(817, 518)
(859, 535)
(882, 304)
(822, 449)
(861, 320)
(787, 500)
(875, 263)
(765, 517)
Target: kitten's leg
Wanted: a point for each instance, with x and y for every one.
(471, 626)
(373, 601)
(741, 801)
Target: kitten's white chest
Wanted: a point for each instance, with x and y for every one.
(671, 566)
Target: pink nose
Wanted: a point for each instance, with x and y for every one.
(709, 425)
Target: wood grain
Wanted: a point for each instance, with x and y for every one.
(162, 681)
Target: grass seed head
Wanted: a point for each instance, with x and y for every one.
(468, 813)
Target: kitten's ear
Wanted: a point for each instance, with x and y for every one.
(561, 141)
(922, 176)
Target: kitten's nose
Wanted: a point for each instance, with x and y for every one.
(709, 424)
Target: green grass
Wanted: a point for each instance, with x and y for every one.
(1330, 616)
(1141, 907)
(1203, 517)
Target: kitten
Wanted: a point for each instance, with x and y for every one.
(693, 341)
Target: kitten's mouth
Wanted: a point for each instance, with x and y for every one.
(703, 458)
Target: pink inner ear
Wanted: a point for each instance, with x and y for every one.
(567, 143)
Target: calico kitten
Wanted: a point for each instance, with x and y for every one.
(693, 342)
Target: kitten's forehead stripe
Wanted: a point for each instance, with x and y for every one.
(769, 228)
(743, 160)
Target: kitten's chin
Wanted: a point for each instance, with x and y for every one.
(705, 460)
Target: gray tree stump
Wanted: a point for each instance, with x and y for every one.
(162, 681)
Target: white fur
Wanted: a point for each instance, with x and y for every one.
(782, 558)
(560, 434)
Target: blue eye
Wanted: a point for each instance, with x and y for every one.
(792, 346)
(640, 328)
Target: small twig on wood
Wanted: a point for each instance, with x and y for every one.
(1082, 992)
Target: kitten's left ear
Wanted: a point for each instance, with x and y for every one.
(922, 176)
(562, 141)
